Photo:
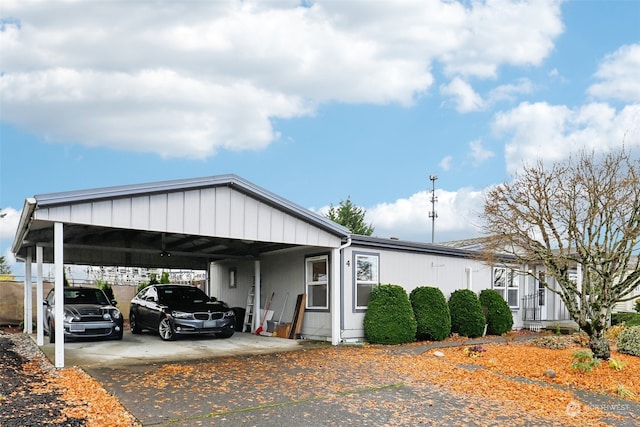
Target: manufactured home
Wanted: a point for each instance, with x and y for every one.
(257, 249)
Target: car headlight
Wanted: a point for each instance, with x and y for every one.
(106, 316)
(229, 313)
(181, 315)
(69, 317)
(115, 314)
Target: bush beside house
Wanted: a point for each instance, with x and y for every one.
(498, 314)
(431, 312)
(467, 318)
(629, 341)
(389, 318)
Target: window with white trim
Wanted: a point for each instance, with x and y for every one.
(317, 282)
(366, 277)
(506, 283)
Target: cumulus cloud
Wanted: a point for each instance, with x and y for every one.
(445, 163)
(464, 97)
(618, 75)
(478, 153)
(408, 218)
(540, 131)
(186, 79)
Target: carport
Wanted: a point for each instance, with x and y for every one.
(180, 224)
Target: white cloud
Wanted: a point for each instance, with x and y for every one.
(541, 131)
(187, 79)
(619, 73)
(445, 163)
(509, 92)
(478, 153)
(465, 98)
(408, 219)
(9, 219)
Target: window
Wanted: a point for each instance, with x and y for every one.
(317, 282)
(366, 277)
(505, 283)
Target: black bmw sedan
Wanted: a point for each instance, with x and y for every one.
(173, 310)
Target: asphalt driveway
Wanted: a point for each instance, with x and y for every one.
(318, 385)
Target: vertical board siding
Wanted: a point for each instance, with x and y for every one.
(223, 211)
(140, 215)
(101, 213)
(251, 215)
(192, 201)
(236, 214)
(76, 213)
(158, 212)
(207, 212)
(175, 211)
(122, 213)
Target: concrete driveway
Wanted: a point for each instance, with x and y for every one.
(148, 347)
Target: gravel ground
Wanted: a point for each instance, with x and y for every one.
(25, 398)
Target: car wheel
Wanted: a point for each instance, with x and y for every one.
(52, 333)
(166, 330)
(133, 324)
(226, 334)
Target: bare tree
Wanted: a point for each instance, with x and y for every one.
(583, 212)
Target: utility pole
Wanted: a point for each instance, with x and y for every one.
(433, 214)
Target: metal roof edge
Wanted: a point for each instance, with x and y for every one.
(430, 248)
(24, 223)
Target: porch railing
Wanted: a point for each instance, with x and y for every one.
(534, 304)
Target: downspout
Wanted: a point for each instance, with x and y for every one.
(337, 315)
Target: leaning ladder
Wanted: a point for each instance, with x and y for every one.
(248, 314)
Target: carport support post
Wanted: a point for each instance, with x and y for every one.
(58, 256)
(335, 296)
(39, 296)
(28, 295)
(256, 308)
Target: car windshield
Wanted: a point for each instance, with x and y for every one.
(188, 295)
(85, 296)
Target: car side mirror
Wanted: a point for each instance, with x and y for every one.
(114, 302)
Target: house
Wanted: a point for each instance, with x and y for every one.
(249, 241)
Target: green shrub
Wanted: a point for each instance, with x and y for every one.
(629, 319)
(389, 318)
(106, 288)
(431, 311)
(141, 286)
(498, 313)
(636, 306)
(629, 341)
(467, 318)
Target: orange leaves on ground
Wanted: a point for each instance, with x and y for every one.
(87, 399)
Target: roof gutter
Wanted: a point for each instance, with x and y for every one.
(25, 222)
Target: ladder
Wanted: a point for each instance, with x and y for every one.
(248, 314)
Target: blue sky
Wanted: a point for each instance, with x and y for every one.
(315, 102)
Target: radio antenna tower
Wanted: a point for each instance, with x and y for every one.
(433, 214)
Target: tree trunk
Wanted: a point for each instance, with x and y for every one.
(599, 344)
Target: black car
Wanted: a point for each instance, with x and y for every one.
(180, 310)
(88, 313)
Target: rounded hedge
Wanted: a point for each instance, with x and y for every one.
(467, 318)
(629, 341)
(389, 318)
(497, 311)
(431, 311)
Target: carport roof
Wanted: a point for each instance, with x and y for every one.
(109, 226)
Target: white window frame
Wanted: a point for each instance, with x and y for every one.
(371, 280)
(506, 282)
(314, 281)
